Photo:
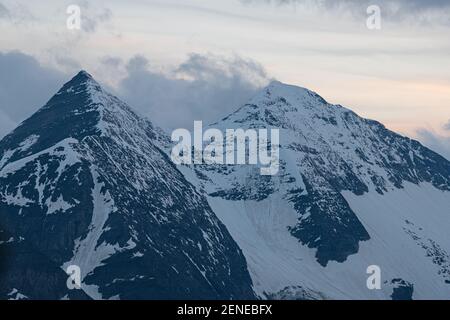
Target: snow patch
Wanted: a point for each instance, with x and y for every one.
(88, 253)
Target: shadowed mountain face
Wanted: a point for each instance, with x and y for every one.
(36, 276)
(83, 182)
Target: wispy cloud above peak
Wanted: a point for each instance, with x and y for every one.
(93, 16)
(203, 87)
(435, 141)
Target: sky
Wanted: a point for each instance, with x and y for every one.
(177, 61)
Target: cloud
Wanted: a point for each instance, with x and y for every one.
(92, 17)
(25, 85)
(16, 13)
(109, 61)
(419, 11)
(204, 87)
(447, 126)
(435, 142)
(6, 124)
(410, 5)
(4, 12)
(424, 5)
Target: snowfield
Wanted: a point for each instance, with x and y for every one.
(276, 260)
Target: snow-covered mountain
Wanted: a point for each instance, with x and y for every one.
(83, 182)
(349, 194)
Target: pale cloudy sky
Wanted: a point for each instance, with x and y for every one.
(180, 60)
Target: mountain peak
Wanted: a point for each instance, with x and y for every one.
(82, 81)
(81, 108)
(91, 188)
(84, 74)
(276, 104)
(276, 84)
(73, 112)
(277, 90)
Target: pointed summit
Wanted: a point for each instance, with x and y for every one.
(81, 77)
(84, 74)
(82, 82)
(75, 111)
(81, 108)
(83, 182)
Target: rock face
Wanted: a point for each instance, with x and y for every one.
(21, 266)
(402, 290)
(333, 164)
(84, 182)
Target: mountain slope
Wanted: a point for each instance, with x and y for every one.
(314, 223)
(84, 182)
